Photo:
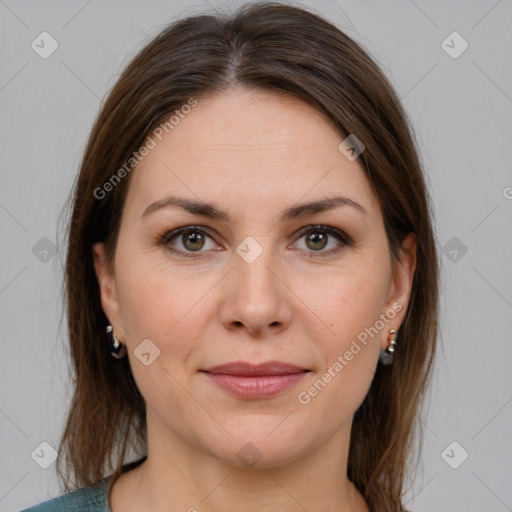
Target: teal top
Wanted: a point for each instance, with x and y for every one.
(92, 498)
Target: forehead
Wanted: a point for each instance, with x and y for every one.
(248, 148)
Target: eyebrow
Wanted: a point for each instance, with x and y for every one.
(212, 212)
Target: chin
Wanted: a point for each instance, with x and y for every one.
(262, 442)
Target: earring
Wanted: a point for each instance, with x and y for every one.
(115, 347)
(386, 356)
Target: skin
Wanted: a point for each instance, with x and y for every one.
(252, 154)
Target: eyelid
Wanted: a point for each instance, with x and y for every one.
(325, 228)
(173, 233)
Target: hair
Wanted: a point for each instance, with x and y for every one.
(266, 47)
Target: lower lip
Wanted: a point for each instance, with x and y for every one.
(256, 387)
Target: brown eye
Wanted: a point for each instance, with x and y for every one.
(189, 240)
(317, 238)
(316, 241)
(193, 241)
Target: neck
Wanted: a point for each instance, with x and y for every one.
(178, 476)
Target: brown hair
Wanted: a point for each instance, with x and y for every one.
(263, 46)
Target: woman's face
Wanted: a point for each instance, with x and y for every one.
(264, 279)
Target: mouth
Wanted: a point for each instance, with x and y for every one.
(246, 380)
(245, 369)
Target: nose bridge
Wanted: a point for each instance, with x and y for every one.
(254, 279)
(257, 298)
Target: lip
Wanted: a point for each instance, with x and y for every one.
(247, 380)
(245, 369)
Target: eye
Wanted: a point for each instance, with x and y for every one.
(193, 239)
(317, 238)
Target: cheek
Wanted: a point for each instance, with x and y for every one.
(352, 309)
(169, 307)
(351, 300)
(156, 298)
(159, 308)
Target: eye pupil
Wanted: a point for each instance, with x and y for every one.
(319, 240)
(193, 238)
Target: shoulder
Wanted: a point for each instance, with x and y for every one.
(93, 498)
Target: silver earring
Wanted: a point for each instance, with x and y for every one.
(386, 356)
(115, 347)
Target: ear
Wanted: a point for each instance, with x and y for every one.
(400, 286)
(108, 290)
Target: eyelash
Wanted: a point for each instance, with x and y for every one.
(318, 228)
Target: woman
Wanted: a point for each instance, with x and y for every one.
(251, 234)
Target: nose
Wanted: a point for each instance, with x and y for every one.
(255, 298)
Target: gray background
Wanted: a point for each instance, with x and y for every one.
(461, 109)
